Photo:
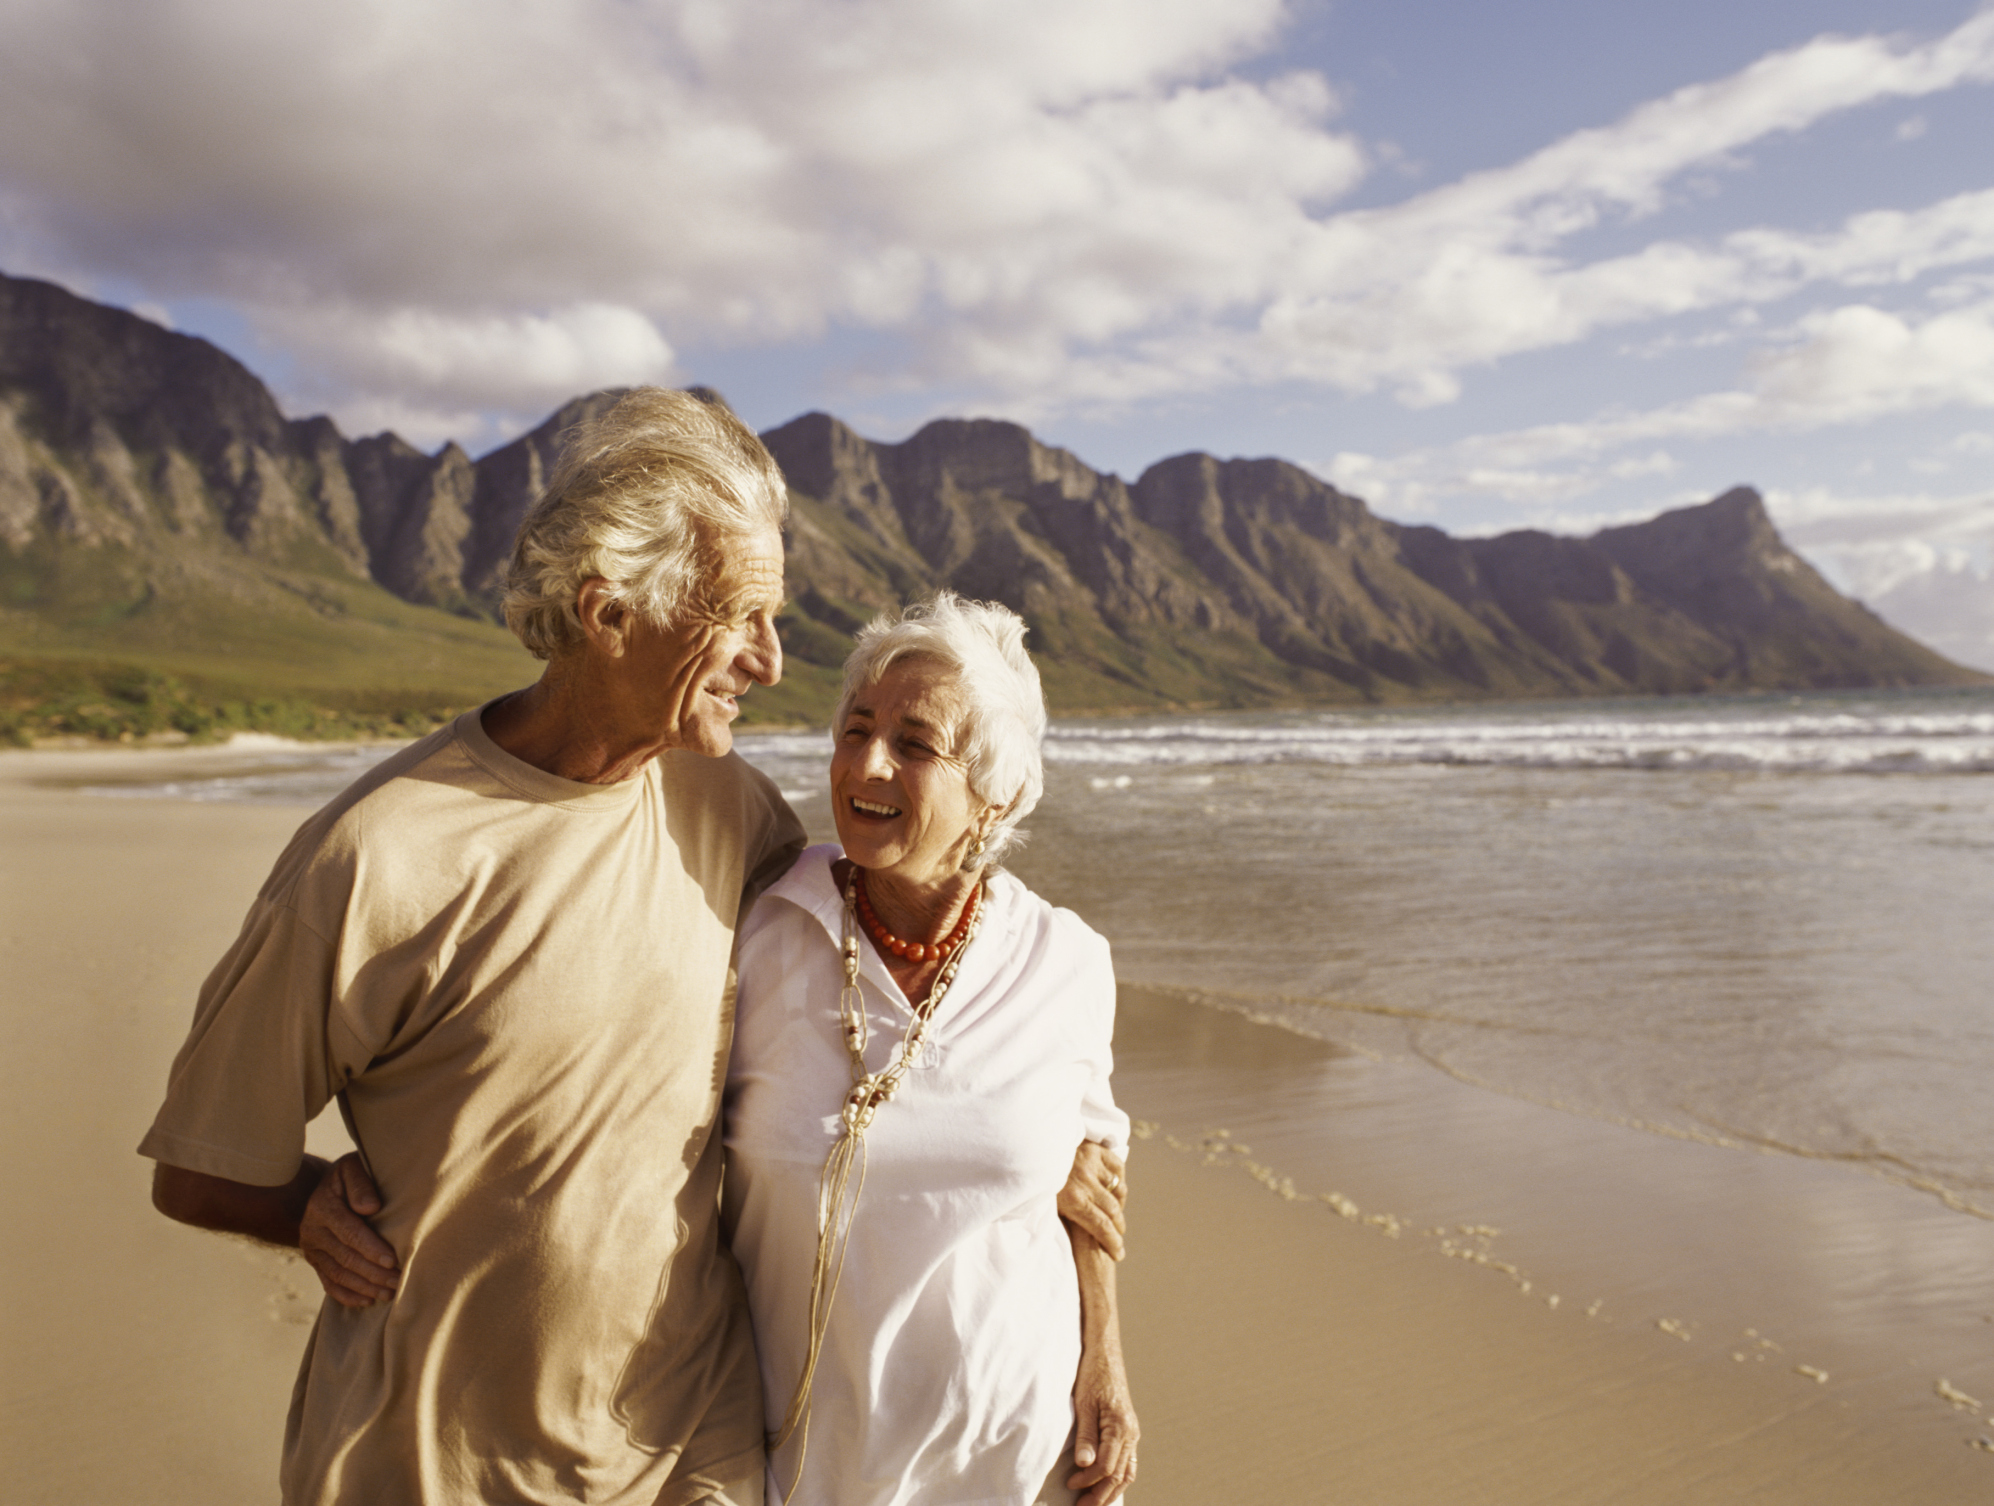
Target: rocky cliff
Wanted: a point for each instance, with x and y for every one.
(154, 498)
(1249, 581)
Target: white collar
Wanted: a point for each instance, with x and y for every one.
(810, 886)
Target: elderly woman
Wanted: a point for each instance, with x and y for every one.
(920, 1041)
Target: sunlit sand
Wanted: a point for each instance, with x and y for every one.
(1398, 1325)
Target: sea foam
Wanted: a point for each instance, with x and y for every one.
(1790, 739)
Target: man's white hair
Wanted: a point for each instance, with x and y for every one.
(982, 646)
(645, 498)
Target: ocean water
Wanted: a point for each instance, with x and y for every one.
(1763, 921)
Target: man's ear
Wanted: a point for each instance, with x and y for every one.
(605, 620)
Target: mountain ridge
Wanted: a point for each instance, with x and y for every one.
(158, 508)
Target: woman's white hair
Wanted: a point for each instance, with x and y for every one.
(642, 498)
(982, 645)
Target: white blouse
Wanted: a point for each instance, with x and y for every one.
(947, 1371)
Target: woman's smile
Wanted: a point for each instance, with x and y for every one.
(901, 792)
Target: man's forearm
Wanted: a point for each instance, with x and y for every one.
(1100, 1315)
(270, 1214)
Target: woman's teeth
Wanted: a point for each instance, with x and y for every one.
(868, 808)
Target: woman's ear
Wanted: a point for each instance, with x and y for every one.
(987, 822)
(605, 620)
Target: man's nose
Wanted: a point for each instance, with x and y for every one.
(762, 654)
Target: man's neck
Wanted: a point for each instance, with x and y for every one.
(556, 725)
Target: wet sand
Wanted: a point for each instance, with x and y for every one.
(1280, 1351)
(1358, 1281)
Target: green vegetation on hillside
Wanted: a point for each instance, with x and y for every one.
(112, 702)
(101, 643)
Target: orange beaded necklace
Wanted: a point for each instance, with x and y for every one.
(913, 951)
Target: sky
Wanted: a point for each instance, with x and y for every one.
(1485, 264)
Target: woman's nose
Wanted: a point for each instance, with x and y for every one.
(874, 762)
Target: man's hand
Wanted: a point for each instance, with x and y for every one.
(1104, 1445)
(1105, 1428)
(1093, 1196)
(355, 1265)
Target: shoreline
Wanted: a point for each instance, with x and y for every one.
(1422, 1382)
(176, 742)
(1829, 1313)
(1280, 1347)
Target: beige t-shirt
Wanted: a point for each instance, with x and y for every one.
(517, 987)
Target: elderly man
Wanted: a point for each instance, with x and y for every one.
(505, 952)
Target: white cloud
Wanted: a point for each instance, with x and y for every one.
(1051, 204)
(1844, 365)
(1857, 362)
(477, 360)
(1924, 562)
(1407, 297)
(1035, 171)
(1823, 517)
(427, 426)
(1655, 463)
(1949, 606)
(1542, 463)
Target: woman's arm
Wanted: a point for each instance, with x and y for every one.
(1105, 1421)
(1093, 1196)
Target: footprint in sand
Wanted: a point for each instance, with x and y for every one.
(1947, 1391)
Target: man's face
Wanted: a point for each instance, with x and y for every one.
(683, 680)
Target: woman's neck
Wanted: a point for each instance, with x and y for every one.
(914, 911)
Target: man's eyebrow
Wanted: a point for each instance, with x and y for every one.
(751, 598)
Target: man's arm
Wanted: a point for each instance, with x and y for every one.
(271, 1214)
(1105, 1425)
(319, 1213)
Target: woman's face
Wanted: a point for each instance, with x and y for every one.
(899, 788)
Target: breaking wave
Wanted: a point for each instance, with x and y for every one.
(1802, 738)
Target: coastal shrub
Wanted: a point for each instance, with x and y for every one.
(131, 703)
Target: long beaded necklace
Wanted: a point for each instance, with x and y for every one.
(837, 1193)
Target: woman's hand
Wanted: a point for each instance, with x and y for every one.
(1093, 1196)
(355, 1265)
(1106, 1427)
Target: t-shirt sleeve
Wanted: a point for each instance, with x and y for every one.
(775, 838)
(267, 1052)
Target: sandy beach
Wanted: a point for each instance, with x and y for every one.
(1295, 1335)
(1375, 1329)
